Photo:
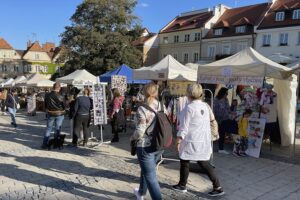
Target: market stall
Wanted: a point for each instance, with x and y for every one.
(78, 77)
(249, 68)
(122, 70)
(6, 82)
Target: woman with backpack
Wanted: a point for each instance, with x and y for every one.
(146, 153)
(194, 140)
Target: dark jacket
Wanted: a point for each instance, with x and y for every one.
(54, 103)
(11, 101)
(83, 106)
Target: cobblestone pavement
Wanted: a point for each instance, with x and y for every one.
(110, 172)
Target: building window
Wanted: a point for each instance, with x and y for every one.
(164, 55)
(176, 38)
(16, 68)
(187, 38)
(283, 39)
(175, 56)
(299, 38)
(46, 69)
(296, 14)
(240, 29)
(218, 31)
(266, 40)
(2, 69)
(196, 57)
(226, 50)
(166, 40)
(5, 68)
(211, 51)
(197, 36)
(185, 57)
(37, 56)
(279, 16)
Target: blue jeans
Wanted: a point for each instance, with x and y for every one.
(12, 112)
(148, 159)
(58, 120)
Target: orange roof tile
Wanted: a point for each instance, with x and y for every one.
(237, 17)
(4, 44)
(35, 47)
(188, 22)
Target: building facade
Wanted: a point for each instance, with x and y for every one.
(148, 44)
(279, 31)
(233, 32)
(35, 59)
(182, 37)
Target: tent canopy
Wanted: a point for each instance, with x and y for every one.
(34, 79)
(122, 70)
(280, 58)
(246, 63)
(166, 69)
(78, 77)
(44, 83)
(19, 79)
(7, 82)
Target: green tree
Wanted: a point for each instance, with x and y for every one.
(100, 37)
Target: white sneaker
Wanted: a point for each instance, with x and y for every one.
(223, 152)
(137, 194)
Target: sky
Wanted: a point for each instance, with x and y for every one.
(44, 20)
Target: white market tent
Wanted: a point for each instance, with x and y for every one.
(166, 69)
(43, 83)
(280, 58)
(34, 79)
(78, 77)
(19, 79)
(248, 67)
(7, 82)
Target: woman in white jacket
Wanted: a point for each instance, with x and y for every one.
(194, 140)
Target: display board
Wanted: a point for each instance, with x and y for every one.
(178, 87)
(256, 130)
(99, 102)
(119, 82)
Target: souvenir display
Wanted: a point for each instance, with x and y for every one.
(99, 101)
(178, 87)
(119, 82)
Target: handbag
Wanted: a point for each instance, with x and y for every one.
(133, 147)
(213, 125)
(120, 120)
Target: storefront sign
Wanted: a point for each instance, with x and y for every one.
(231, 80)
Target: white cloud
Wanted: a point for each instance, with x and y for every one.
(144, 5)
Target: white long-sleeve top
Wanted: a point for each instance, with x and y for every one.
(195, 132)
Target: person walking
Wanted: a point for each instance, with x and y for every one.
(115, 107)
(146, 154)
(194, 140)
(222, 112)
(54, 105)
(12, 102)
(82, 116)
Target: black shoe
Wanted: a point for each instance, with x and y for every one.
(179, 188)
(15, 125)
(114, 140)
(216, 192)
(44, 147)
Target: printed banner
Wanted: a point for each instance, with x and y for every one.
(99, 102)
(119, 82)
(232, 80)
(256, 130)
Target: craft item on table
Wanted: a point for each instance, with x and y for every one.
(249, 98)
(119, 82)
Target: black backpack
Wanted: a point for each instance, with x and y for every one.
(160, 129)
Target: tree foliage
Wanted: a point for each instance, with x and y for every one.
(100, 36)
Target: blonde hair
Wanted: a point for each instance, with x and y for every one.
(194, 91)
(150, 92)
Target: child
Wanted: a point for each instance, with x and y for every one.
(242, 143)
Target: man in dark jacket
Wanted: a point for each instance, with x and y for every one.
(54, 104)
(11, 103)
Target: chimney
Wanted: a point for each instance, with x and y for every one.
(29, 43)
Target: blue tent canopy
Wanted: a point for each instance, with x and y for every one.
(122, 70)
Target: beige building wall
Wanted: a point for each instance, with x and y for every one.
(178, 49)
(224, 45)
(36, 56)
(10, 63)
(292, 49)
